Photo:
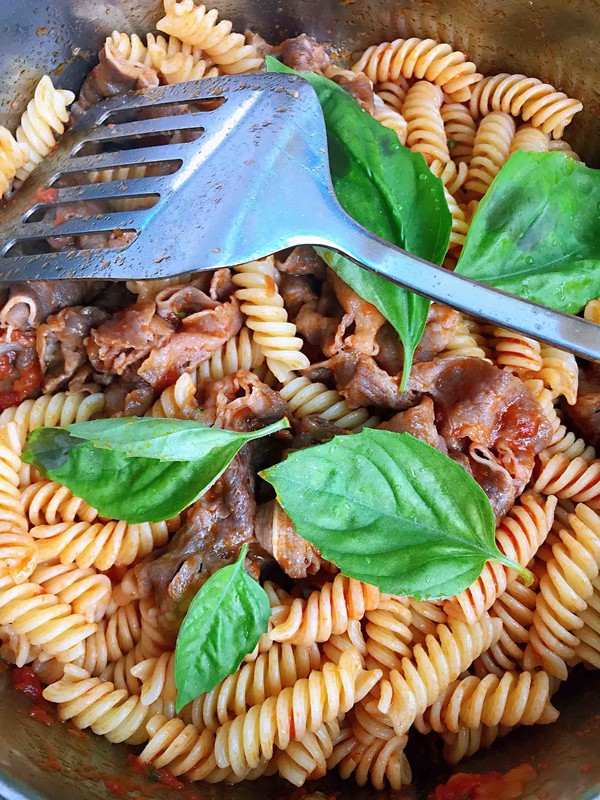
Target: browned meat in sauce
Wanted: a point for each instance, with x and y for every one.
(263, 48)
(360, 88)
(221, 286)
(364, 317)
(440, 327)
(303, 260)
(585, 414)
(32, 302)
(128, 397)
(312, 430)
(419, 421)
(20, 371)
(241, 402)
(113, 75)
(297, 291)
(275, 533)
(362, 383)
(303, 53)
(60, 343)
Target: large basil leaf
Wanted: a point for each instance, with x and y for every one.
(390, 510)
(389, 190)
(137, 488)
(536, 233)
(223, 624)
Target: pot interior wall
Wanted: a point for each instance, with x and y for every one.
(556, 40)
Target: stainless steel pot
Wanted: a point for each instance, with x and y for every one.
(556, 40)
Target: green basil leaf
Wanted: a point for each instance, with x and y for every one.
(536, 233)
(392, 192)
(166, 439)
(390, 510)
(223, 624)
(135, 488)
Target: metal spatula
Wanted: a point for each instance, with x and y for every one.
(235, 169)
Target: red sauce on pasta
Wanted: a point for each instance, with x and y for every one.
(490, 786)
(25, 680)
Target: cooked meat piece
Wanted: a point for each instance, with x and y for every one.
(113, 75)
(201, 334)
(32, 302)
(419, 421)
(216, 527)
(361, 89)
(440, 327)
(303, 53)
(481, 404)
(241, 402)
(221, 285)
(390, 354)
(303, 260)
(275, 533)
(127, 338)
(362, 383)
(367, 320)
(177, 302)
(312, 430)
(585, 414)
(60, 343)
(130, 397)
(263, 48)
(318, 330)
(494, 479)
(20, 371)
(296, 290)
(115, 297)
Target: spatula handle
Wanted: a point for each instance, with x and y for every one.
(553, 327)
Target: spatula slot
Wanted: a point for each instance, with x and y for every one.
(55, 214)
(159, 110)
(136, 141)
(115, 240)
(86, 177)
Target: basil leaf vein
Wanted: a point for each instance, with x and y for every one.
(184, 458)
(390, 510)
(392, 192)
(223, 624)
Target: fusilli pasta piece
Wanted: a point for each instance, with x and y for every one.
(177, 401)
(515, 352)
(573, 479)
(43, 619)
(47, 502)
(528, 98)
(460, 131)
(528, 138)
(588, 649)
(177, 61)
(91, 703)
(51, 410)
(305, 397)
(267, 317)
(460, 225)
(592, 311)
(518, 536)
(197, 26)
(420, 58)
(490, 152)
(16, 648)
(86, 590)
(433, 666)
(392, 93)
(12, 158)
(426, 615)
(43, 120)
(180, 748)
(467, 741)
(99, 544)
(327, 611)
(425, 127)
(130, 47)
(560, 146)
(390, 118)
(306, 759)
(564, 590)
(559, 372)
(382, 762)
(338, 643)
(388, 634)
(467, 340)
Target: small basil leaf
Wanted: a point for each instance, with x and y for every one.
(166, 439)
(536, 233)
(392, 192)
(223, 624)
(390, 510)
(135, 488)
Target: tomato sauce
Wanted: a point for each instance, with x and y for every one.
(490, 786)
(26, 681)
(46, 195)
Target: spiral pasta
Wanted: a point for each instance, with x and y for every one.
(305, 397)
(459, 126)
(17, 649)
(460, 225)
(515, 352)
(177, 61)
(420, 58)
(12, 158)
(559, 372)
(240, 352)
(433, 666)
(131, 48)
(43, 619)
(564, 590)
(528, 138)
(197, 26)
(490, 151)
(99, 544)
(592, 311)
(560, 146)
(512, 699)
(306, 759)
(425, 127)
(43, 119)
(326, 612)
(575, 479)
(588, 649)
(467, 340)
(529, 98)
(426, 615)
(47, 502)
(338, 643)
(181, 748)
(390, 118)
(381, 761)
(292, 714)
(518, 536)
(267, 317)
(392, 93)
(388, 634)
(467, 741)
(87, 591)
(91, 703)
(59, 409)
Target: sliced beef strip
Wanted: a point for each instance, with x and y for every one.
(241, 402)
(263, 48)
(113, 75)
(60, 343)
(20, 371)
(585, 414)
(362, 383)
(128, 397)
(360, 88)
(303, 53)
(440, 327)
(297, 291)
(303, 260)
(366, 319)
(317, 329)
(275, 533)
(312, 430)
(419, 421)
(32, 302)
(177, 302)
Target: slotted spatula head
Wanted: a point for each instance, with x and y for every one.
(234, 170)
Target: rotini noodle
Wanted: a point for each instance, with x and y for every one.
(490, 152)
(86, 590)
(460, 131)
(592, 311)
(305, 397)
(177, 61)
(12, 157)
(382, 762)
(515, 352)
(390, 118)
(588, 649)
(529, 139)
(52, 410)
(306, 759)
(560, 146)
(425, 127)
(392, 93)
(388, 634)
(467, 741)
(47, 503)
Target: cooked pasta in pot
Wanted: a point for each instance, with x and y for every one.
(343, 672)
